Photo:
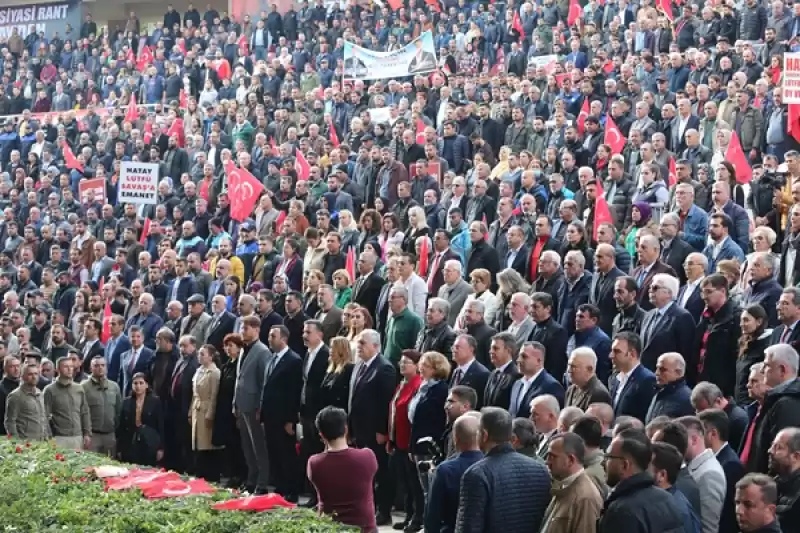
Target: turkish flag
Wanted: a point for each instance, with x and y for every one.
(434, 4)
(70, 160)
(793, 126)
(223, 69)
(177, 129)
(243, 44)
(395, 4)
(582, 115)
(302, 167)
(132, 113)
(575, 12)
(601, 211)
(422, 264)
(613, 137)
(516, 25)
(145, 232)
(350, 264)
(243, 190)
(420, 131)
(265, 502)
(130, 57)
(275, 150)
(145, 58)
(106, 333)
(175, 488)
(673, 172)
(138, 477)
(333, 136)
(665, 6)
(736, 157)
(183, 102)
(182, 45)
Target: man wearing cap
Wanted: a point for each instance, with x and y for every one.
(197, 321)
(40, 326)
(247, 248)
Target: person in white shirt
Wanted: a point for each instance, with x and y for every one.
(415, 285)
(695, 266)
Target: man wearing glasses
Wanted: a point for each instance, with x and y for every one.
(666, 327)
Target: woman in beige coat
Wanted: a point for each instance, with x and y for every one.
(205, 386)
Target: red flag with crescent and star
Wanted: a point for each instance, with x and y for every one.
(602, 213)
(175, 488)
(302, 167)
(106, 332)
(176, 128)
(264, 502)
(420, 131)
(350, 263)
(735, 155)
(582, 115)
(575, 12)
(613, 137)
(132, 113)
(145, 232)
(516, 25)
(145, 58)
(673, 172)
(665, 6)
(70, 160)
(243, 190)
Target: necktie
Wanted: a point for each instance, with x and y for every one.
(361, 373)
(434, 268)
(640, 279)
(271, 367)
(457, 377)
(134, 356)
(785, 334)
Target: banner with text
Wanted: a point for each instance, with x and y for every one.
(47, 18)
(95, 186)
(791, 78)
(138, 183)
(417, 57)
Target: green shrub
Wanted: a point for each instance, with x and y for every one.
(44, 489)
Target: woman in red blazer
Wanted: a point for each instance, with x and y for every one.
(401, 462)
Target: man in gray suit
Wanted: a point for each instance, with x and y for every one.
(102, 265)
(247, 405)
(455, 290)
(196, 323)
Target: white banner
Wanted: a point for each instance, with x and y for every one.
(417, 57)
(791, 78)
(138, 183)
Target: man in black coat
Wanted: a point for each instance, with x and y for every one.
(441, 255)
(295, 321)
(437, 335)
(506, 491)
(674, 250)
(667, 327)
(280, 405)
(368, 285)
(178, 441)
(601, 290)
(221, 322)
(482, 255)
(372, 387)
(10, 381)
(476, 326)
(505, 373)
(315, 365)
(549, 334)
(468, 371)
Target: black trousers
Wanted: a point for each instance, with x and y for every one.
(284, 463)
(207, 464)
(404, 469)
(383, 484)
(311, 444)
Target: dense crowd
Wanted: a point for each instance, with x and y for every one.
(526, 291)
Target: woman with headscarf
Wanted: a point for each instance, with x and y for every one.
(641, 217)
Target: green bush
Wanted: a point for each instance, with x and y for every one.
(44, 489)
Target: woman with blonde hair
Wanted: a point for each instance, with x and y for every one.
(348, 230)
(481, 280)
(502, 164)
(417, 227)
(426, 409)
(205, 386)
(731, 270)
(509, 282)
(335, 387)
(390, 232)
(342, 288)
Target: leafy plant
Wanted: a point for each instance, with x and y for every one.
(47, 490)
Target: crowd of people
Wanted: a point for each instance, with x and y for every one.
(428, 308)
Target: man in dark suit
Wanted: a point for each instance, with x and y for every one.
(518, 254)
(505, 373)
(549, 333)
(666, 327)
(368, 285)
(315, 365)
(690, 296)
(442, 254)
(476, 326)
(649, 265)
(135, 360)
(280, 405)
(423, 61)
(91, 345)
(788, 315)
(633, 386)
(178, 441)
(717, 425)
(674, 250)
(372, 387)
(601, 291)
(469, 372)
(118, 343)
(221, 322)
(535, 380)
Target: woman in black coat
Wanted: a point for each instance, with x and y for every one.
(225, 433)
(335, 387)
(577, 240)
(140, 434)
(752, 343)
(426, 409)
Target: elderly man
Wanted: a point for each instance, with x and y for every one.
(575, 292)
(764, 289)
(784, 460)
(551, 279)
(196, 323)
(689, 295)
(454, 290)
(693, 226)
(521, 321)
(437, 335)
(476, 326)
(585, 388)
(534, 382)
(588, 334)
(402, 328)
(707, 395)
(146, 320)
(666, 327)
(673, 395)
(544, 412)
(601, 292)
(505, 373)
(650, 265)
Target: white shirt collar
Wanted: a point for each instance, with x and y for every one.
(528, 381)
(463, 368)
(503, 368)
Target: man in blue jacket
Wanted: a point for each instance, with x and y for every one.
(740, 229)
(673, 396)
(722, 245)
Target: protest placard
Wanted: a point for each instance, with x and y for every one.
(138, 183)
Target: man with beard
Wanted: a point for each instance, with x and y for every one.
(784, 463)
(226, 252)
(247, 248)
(196, 323)
(201, 278)
(157, 288)
(178, 398)
(294, 320)
(64, 298)
(9, 383)
(437, 335)
(57, 262)
(629, 315)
